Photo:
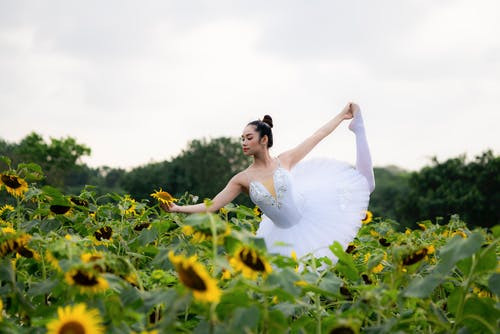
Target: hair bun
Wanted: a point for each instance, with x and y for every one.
(268, 120)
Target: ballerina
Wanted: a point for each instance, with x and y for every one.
(306, 205)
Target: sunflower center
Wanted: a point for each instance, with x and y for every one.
(191, 279)
(140, 227)
(59, 209)
(80, 202)
(103, 233)
(11, 181)
(252, 260)
(342, 330)
(25, 252)
(81, 278)
(72, 327)
(415, 257)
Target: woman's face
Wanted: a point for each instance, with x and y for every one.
(250, 142)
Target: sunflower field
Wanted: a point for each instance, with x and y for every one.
(111, 264)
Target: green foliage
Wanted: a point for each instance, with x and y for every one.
(205, 166)
(435, 279)
(471, 190)
(390, 190)
(202, 169)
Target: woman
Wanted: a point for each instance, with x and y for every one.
(307, 205)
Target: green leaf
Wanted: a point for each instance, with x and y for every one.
(245, 320)
(230, 301)
(6, 160)
(147, 236)
(345, 263)
(32, 171)
(49, 225)
(494, 284)
(285, 280)
(487, 261)
(40, 288)
(131, 297)
(454, 299)
(480, 315)
(330, 283)
(423, 287)
(52, 192)
(496, 231)
(457, 249)
(465, 265)
(277, 322)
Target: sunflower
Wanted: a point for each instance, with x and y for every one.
(142, 226)
(415, 257)
(344, 329)
(366, 279)
(86, 281)
(8, 229)
(60, 209)
(76, 319)
(163, 197)
(250, 263)
(199, 235)
(368, 217)
(79, 201)
(350, 248)
(5, 208)
(384, 242)
(127, 205)
(91, 257)
(194, 276)
(14, 185)
(13, 242)
(28, 253)
(256, 211)
(131, 278)
(378, 268)
(104, 232)
(52, 260)
(460, 233)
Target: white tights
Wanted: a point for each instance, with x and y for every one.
(363, 157)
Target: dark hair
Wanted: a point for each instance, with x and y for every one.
(264, 128)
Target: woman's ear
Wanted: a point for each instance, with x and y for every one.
(264, 140)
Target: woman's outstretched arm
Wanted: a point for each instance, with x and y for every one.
(232, 189)
(293, 156)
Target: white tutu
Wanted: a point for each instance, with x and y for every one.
(334, 197)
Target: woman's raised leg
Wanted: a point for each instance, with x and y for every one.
(363, 157)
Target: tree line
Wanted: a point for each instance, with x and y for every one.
(437, 191)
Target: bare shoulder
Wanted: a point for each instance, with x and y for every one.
(240, 178)
(286, 159)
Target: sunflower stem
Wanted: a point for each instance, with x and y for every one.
(214, 241)
(212, 317)
(317, 301)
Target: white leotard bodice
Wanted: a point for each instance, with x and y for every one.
(285, 209)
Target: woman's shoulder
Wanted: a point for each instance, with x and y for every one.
(242, 176)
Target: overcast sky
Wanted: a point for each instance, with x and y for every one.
(136, 80)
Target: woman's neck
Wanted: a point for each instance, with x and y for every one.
(263, 160)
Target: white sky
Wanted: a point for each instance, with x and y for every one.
(136, 80)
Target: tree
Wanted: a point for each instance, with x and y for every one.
(59, 159)
(470, 189)
(202, 169)
(391, 188)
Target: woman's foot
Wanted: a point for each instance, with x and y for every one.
(357, 120)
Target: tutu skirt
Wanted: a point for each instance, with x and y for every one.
(334, 199)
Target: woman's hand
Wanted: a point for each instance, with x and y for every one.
(170, 208)
(349, 110)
